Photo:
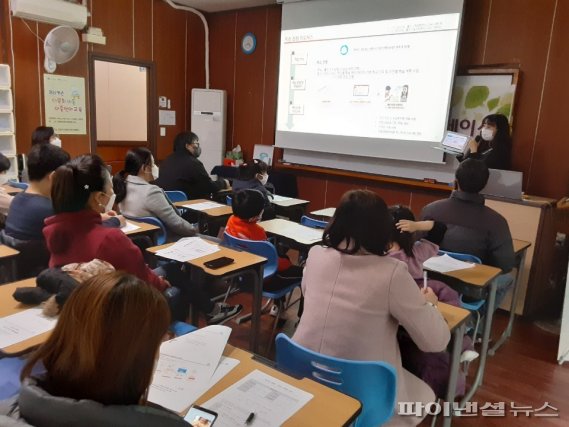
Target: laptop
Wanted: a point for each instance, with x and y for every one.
(455, 143)
(504, 184)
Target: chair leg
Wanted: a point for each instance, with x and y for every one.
(477, 325)
(275, 322)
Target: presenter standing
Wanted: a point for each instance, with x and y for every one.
(494, 144)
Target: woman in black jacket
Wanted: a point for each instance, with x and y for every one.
(494, 144)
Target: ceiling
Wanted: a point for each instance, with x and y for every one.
(220, 5)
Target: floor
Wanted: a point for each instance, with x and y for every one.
(524, 371)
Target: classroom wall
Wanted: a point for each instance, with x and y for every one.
(526, 32)
(143, 29)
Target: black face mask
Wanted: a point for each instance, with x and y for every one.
(197, 151)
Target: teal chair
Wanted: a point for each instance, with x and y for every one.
(267, 250)
(162, 235)
(312, 223)
(176, 196)
(374, 384)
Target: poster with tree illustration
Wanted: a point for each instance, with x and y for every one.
(481, 92)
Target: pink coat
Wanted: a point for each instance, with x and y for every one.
(353, 306)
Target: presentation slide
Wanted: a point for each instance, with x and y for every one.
(386, 79)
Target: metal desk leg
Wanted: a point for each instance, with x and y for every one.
(508, 331)
(491, 302)
(458, 335)
(256, 311)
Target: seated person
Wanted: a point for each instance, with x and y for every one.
(136, 197)
(5, 198)
(81, 191)
(355, 297)
(255, 175)
(30, 208)
(247, 209)
(45, 135)
(472, 227)
(96, 371)
(183, 171)
(433, 368)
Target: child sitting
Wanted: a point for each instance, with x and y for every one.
(433, 368)
(248, 206)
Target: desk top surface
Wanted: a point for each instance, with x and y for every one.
(143, 228)
(328, 407)
(11, 190)
(480, 275)
(242, 260)
(290, 202)
(8, 306)
(293, 230)
(215, 212)
(7, 252)
(329, 212)
(455, 316)
(520, 245)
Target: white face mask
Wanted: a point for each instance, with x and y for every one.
(55, 141)
(487, 134)
(264, 179)
(155, 171)
(110, 203)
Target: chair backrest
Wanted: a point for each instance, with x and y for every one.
(20, 185)
(162, 235)
(228, 200)
(176, 196)
(462, 257)
(313, 223)
(257, 247)
(373, 383)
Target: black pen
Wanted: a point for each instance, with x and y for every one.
(250, 418)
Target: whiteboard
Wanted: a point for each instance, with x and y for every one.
(563, 352)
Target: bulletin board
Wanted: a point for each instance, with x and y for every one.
(64, 99)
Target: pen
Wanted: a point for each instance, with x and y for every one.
(424, 280)
(250, 418)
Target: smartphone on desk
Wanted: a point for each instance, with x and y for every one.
(218, 262)
(200, 417)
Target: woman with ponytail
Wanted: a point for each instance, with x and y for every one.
(81, 190)
(136, 197)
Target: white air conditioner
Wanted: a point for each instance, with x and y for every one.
(56, 12)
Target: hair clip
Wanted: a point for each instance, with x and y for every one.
(86, 186)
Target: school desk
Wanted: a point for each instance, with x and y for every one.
(292, 208)
(144, 229)
(209, 220)
(8, 259)
(327, 212)
(244, 263)
(293, 232)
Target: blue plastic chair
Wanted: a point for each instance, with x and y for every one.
(176, 196)
(228, 200)
(181, 328)
(266, 250)
(162, 235)
(373, 383)
(20, 185)
(473, 306)
(312, 223)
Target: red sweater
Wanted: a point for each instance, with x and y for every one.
(80, 237)
(242, 229)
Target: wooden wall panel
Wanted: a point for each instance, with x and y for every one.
(313, 189)
(170, 59)
(271, 75)
(115, 17)
(142, 30)
(520, 33)
(195, 63)
(222, 61)
(550, 166)
(474, 30)
(249, 78)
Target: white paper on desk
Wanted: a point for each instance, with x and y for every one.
(187, 249)
(305, 234)
(128, 227)
(273, 401)
(277, 198)
(24, 325)
(445, 263)
(204, 206)
(186, 367)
